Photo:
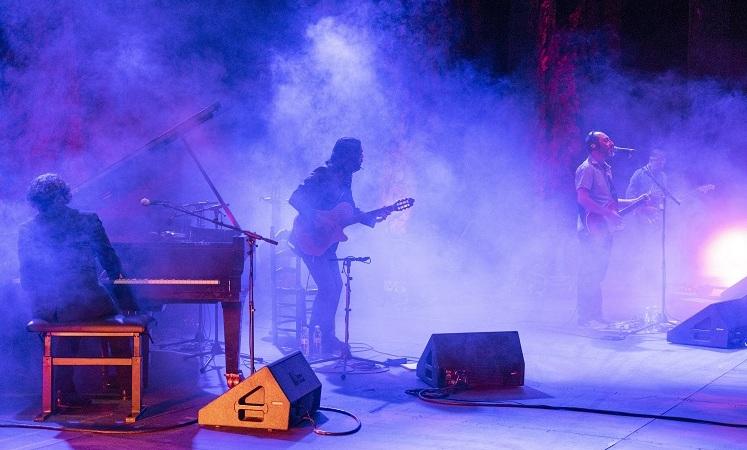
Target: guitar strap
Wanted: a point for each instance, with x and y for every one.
(607, 170)
(607, 173)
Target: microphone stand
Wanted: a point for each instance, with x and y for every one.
(345, 353)
(667, 194)
(252, 239)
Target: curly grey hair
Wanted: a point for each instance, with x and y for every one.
(48, 189)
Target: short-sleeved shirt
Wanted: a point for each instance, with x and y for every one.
(641, 182)
(596, 177)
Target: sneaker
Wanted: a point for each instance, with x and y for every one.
(335, 347)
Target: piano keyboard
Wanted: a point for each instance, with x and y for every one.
(168, 282)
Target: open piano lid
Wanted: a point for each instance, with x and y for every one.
(160, 170)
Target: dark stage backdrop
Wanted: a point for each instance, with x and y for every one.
(458, 98)
(556, 46)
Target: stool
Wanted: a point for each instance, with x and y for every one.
(135, 327)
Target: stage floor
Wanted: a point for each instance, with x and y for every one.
(565, 366)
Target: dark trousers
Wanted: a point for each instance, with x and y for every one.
(326, 275)
(594, 256)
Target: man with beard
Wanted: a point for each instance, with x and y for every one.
(328, 188)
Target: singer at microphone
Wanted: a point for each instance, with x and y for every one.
(598, 215)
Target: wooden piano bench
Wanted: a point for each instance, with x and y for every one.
(134, 327)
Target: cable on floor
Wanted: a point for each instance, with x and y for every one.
(441, 396)
(322, 432)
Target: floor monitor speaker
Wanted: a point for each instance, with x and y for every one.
(720, 325)
(276, 397)
(738, 290)
(485, 359)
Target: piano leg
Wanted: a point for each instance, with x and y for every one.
(232, 336)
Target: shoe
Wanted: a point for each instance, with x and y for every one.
(71, 400)
(335, 347)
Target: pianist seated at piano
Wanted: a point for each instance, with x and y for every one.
(58, 251)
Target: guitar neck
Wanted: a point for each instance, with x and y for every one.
(376, 212)
(399, 205)
(367, 218)
(631, 207)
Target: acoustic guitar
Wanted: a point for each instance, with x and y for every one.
(314, 235)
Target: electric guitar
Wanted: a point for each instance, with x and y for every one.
(651, 213)
(314, 235)
(598, 225)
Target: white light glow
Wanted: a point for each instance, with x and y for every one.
(725, 256)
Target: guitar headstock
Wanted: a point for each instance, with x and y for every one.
(403, 204)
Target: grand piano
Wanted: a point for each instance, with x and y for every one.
(165, 258)
(190, 272)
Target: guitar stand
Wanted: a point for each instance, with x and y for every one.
(345, 355)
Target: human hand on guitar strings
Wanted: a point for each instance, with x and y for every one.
(641, 198)
(382, 217)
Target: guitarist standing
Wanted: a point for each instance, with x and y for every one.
(643, 182)
(326, 187)
(597, 202)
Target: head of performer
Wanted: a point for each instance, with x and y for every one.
(657, 159)
(347, 155)
(599, 145)
(48, 193)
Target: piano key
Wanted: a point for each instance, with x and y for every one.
(169, 282)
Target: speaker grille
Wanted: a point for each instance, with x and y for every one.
(473, 359)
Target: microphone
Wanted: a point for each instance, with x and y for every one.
(364, 259)
(624, 149)
(145, 201)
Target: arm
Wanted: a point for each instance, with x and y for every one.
(110, 262)
(304, 197)
(105, 253)
(584, 183)
(367, 219)
(584, 199)
(634, 185)
(635, 190)
(628, 201)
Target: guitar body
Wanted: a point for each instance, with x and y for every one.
(599, 226)
(314, 235)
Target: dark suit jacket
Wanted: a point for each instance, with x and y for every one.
(58, 254)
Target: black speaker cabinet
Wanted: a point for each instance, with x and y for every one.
(720, 325)
(738, 290)
(276, 397)
(476, 360)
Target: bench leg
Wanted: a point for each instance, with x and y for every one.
(46, 380)
(136, 408)
(145, 339)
